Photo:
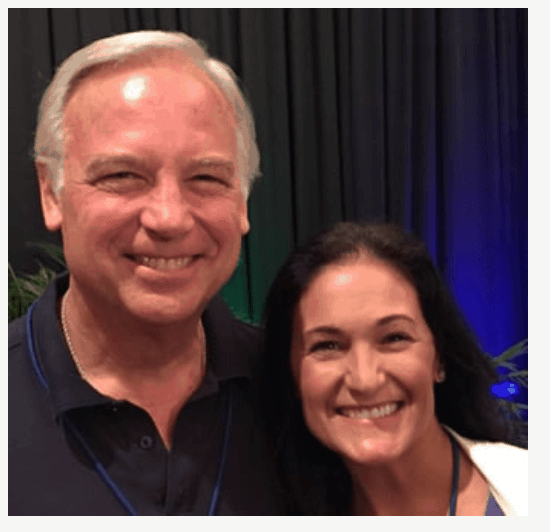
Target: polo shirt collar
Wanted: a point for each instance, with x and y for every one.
(69, 391)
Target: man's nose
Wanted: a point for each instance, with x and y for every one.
(167, 212)
(364, 372)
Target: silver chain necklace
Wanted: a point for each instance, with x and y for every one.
(72, 350)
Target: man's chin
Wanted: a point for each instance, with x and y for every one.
(165, 313)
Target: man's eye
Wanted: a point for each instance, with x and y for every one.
(119, 182)
(120, 175)
(207, 178)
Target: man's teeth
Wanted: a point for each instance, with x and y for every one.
(160, 263)
(369, 413)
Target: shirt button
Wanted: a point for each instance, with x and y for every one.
(146, 442)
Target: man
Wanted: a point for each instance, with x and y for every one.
(130, 382)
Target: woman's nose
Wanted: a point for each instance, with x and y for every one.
(363, 369)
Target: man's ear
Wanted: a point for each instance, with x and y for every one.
(51, 205)
(243, 218)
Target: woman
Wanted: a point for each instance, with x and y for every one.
(375, 394)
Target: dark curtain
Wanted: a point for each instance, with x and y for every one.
(414, 116)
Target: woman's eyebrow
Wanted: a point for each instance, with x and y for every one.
(326, 329)
(323, 329)
(387, 319)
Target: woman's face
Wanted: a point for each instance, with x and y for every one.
(365, 362)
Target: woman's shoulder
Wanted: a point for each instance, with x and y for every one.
(505, 468)
(498, 460)
(492, 451)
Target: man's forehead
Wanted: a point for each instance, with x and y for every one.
(134, 77)
(135, 88)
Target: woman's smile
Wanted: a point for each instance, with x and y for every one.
(375, 412)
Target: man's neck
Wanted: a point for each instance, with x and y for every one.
(108, 341)
(155, 368)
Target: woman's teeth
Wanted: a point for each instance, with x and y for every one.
(369, 413)
(160, 263)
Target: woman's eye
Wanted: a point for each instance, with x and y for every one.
(396, 337)
(327, 345)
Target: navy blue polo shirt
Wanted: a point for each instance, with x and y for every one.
(50, 474)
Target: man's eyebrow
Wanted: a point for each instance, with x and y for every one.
(211, 162)
(104, 160)
(205, 163)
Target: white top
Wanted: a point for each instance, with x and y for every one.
(504, 467)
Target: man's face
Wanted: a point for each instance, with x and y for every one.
(151, 211)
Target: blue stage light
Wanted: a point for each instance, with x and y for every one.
(504, 389)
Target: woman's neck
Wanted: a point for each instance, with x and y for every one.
(418, 483)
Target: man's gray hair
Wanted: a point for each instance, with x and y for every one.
(49, 138)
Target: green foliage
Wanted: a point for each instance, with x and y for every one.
(513, 410)
(23, 290)
(52, 251)
(504, 360)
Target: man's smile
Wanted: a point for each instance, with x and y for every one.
(164, 263)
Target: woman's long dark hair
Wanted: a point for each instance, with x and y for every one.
(312, 477)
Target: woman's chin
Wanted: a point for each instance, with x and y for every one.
(374, 453)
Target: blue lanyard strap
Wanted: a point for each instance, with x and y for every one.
(29, 334)
(98, 466)
(213, 508)
(456, 475)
